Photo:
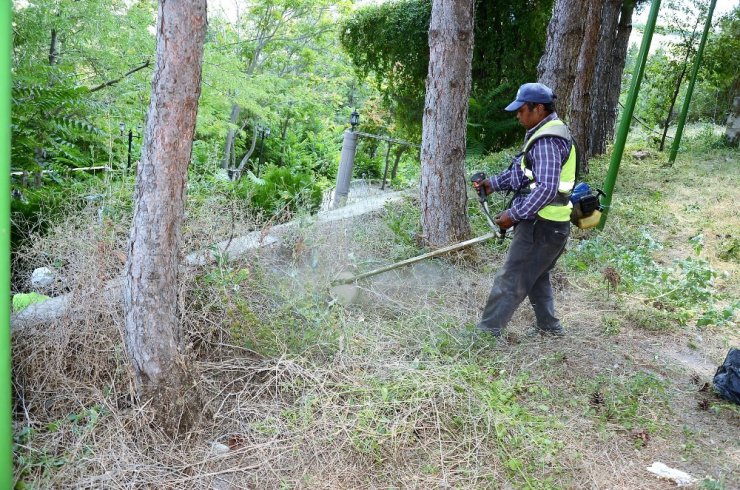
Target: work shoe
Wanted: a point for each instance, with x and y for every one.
(549, 332)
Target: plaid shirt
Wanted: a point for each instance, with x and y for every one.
(546, 157)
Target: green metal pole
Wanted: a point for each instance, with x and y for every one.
(6, 432)
(690, 89)
(629, 109)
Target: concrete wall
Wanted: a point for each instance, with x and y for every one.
(733, 123)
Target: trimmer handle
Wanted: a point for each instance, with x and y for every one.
(478, 178)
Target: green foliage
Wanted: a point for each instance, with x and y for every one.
(390, 42)
(711, 484)
(656, 90)
(58, 121)
(611, 324)
(731, 251)
(280, 63)
(369, 167)
(22, 301)
(34, 209)
(719, 79)
(49, 128)
(38, 465)
(281, 192)
(404, 221)
(674, 293)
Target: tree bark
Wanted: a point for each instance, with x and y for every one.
(557, 67)
(580, 114)
(614, 42)
(153, 335)
(443, 182)
(583, 63)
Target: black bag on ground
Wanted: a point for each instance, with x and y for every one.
(727, 378)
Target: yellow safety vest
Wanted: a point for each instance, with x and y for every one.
(555, 211)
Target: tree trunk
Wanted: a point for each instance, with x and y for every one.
(399, 152)
(443, 182)
(229, 146)
(387, 161)
(583, 64)
(580, 114)
(557, 67)
(53, 54)
(153, 334)
(245, 159)
(615, 34)
(674, 97)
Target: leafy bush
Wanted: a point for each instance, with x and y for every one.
(368, 167)
(282, 191)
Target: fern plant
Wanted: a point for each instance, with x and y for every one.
(50, 127)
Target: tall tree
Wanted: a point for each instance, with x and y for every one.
(443, 182)
(77, 72)
(153, 334)
(581, 100)
(271, 37)
(390, 42)
(584, 57)
(719, 76)
(610, 61)
(557, 67)
(684, 50)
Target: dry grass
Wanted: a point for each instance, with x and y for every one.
(387, 393)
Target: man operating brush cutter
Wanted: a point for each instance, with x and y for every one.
(542, 177)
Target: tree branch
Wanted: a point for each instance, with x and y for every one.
(113, 82)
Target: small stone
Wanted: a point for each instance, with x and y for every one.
(218, 448)
(42, 277)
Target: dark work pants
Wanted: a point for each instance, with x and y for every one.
(526, 273)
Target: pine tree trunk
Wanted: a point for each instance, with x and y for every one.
(443, 181)
(153, 334)
(612, 54)
(557, 67)
(580, 114)
(583, 63)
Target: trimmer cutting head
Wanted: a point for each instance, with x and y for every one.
(344, 289)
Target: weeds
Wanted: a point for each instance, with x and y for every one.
(632, 402)
(389, 392)
(675, 293)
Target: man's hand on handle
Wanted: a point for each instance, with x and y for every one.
(481, 184)
(504, 220)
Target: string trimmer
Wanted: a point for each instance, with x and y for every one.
(478, 178)
(343, 286)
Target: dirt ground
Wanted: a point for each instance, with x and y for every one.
(382, 393)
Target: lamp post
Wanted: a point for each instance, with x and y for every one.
(122, 127)
(264, 133)
(346, 162)
(354, 119)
